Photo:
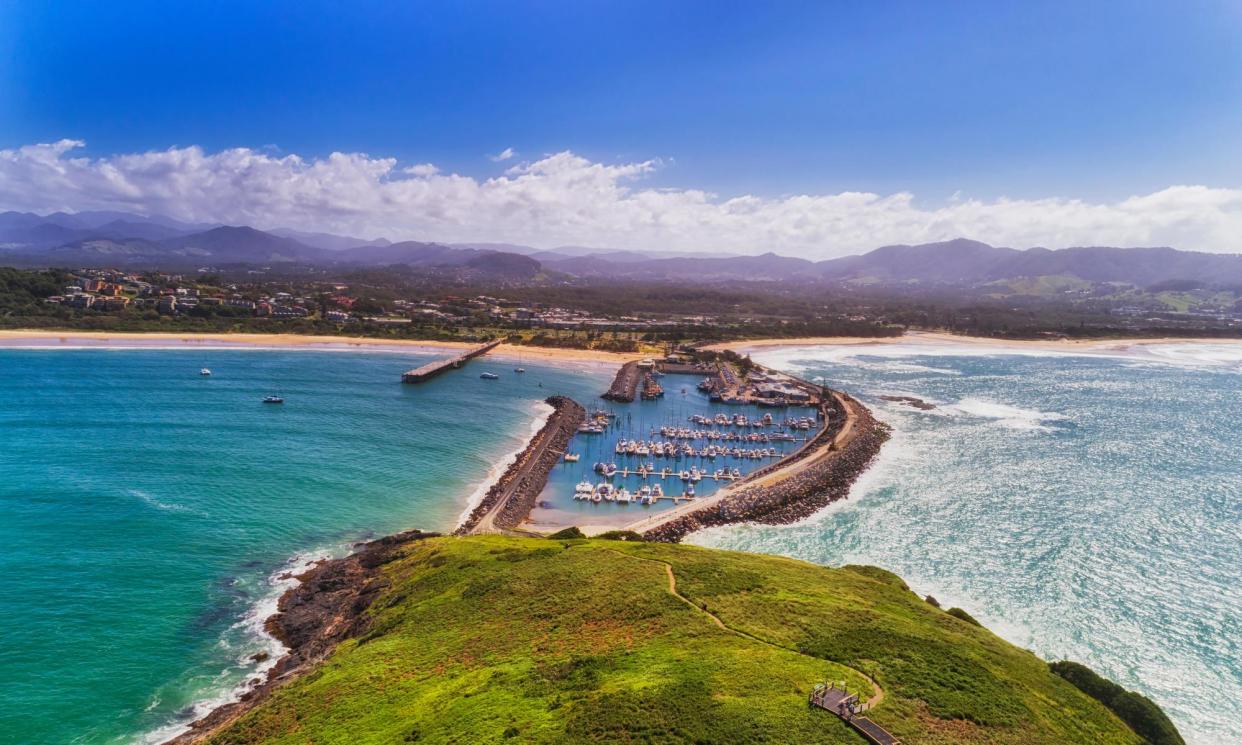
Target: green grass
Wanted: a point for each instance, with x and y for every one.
(492, 640)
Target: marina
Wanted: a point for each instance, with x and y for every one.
(673, 446)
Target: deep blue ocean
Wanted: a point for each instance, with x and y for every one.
(147, 513)
(1083, 507)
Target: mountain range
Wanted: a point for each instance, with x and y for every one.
(129, 240)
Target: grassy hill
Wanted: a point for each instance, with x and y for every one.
(491, 639)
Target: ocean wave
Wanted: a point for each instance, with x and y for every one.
(542, 411)
(255, 641)
(1005, 415)
(1227, 356)
(151, 501)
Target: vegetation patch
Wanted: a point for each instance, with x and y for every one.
(514, 640)
(1136, 710)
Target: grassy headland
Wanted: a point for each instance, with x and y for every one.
(494, 639)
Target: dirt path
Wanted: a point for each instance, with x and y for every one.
(875, 699)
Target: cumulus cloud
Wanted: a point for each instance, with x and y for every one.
(567, 199)
(505, 154)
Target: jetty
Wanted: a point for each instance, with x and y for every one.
(625, 385)
(432, 369)
(509, 501)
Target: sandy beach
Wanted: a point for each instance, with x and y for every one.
(934, 338)
(44, 338)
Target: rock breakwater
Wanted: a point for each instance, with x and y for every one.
(509, 501)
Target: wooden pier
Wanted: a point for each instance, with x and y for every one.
(432, 369)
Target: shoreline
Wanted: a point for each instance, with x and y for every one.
(49, 339)
(509, 500)
(327, 606)
(945, 339)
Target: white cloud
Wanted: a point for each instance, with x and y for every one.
(503, 155)
(567, 199)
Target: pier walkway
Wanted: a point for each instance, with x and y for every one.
(432, 369)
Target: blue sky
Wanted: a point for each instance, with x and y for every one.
(1096, 101)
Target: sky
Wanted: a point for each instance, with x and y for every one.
(812, 129)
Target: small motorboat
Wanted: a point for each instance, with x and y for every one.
(571, 457)
(204, 372)
(273, 400)
(490, 376)
(519, 369)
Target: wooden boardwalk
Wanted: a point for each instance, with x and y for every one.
(432, 369)
(846, 706)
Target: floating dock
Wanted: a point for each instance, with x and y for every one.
(432, 369)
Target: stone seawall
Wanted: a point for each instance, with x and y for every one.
(625, 385)
(815, 485)
(509, 501)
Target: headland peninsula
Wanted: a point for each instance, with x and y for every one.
(515, 630)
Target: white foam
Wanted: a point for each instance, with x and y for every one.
(157, 504)
(543, 411)
(1223, 354)
(1005, 415)
(253, 626)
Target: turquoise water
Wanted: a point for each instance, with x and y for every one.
(642, 420)
(147, 513)
(1082, 507)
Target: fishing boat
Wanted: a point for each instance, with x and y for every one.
(204, 372)
(273, 400)
(489, 376)
(572, 457)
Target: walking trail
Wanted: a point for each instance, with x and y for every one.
(876, 698)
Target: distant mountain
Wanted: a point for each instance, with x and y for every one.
(28, 230)
(953, 261)
(412, 253)
(241, 244)
(963, 261)
(768, 266)
(328, 241)
(119, 238)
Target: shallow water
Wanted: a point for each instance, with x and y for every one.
(1084, 507)
(147, 513)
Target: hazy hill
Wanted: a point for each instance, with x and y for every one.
(971, 262)
(328, 241)
(696, 269)
(232, 244)
(491, 639)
